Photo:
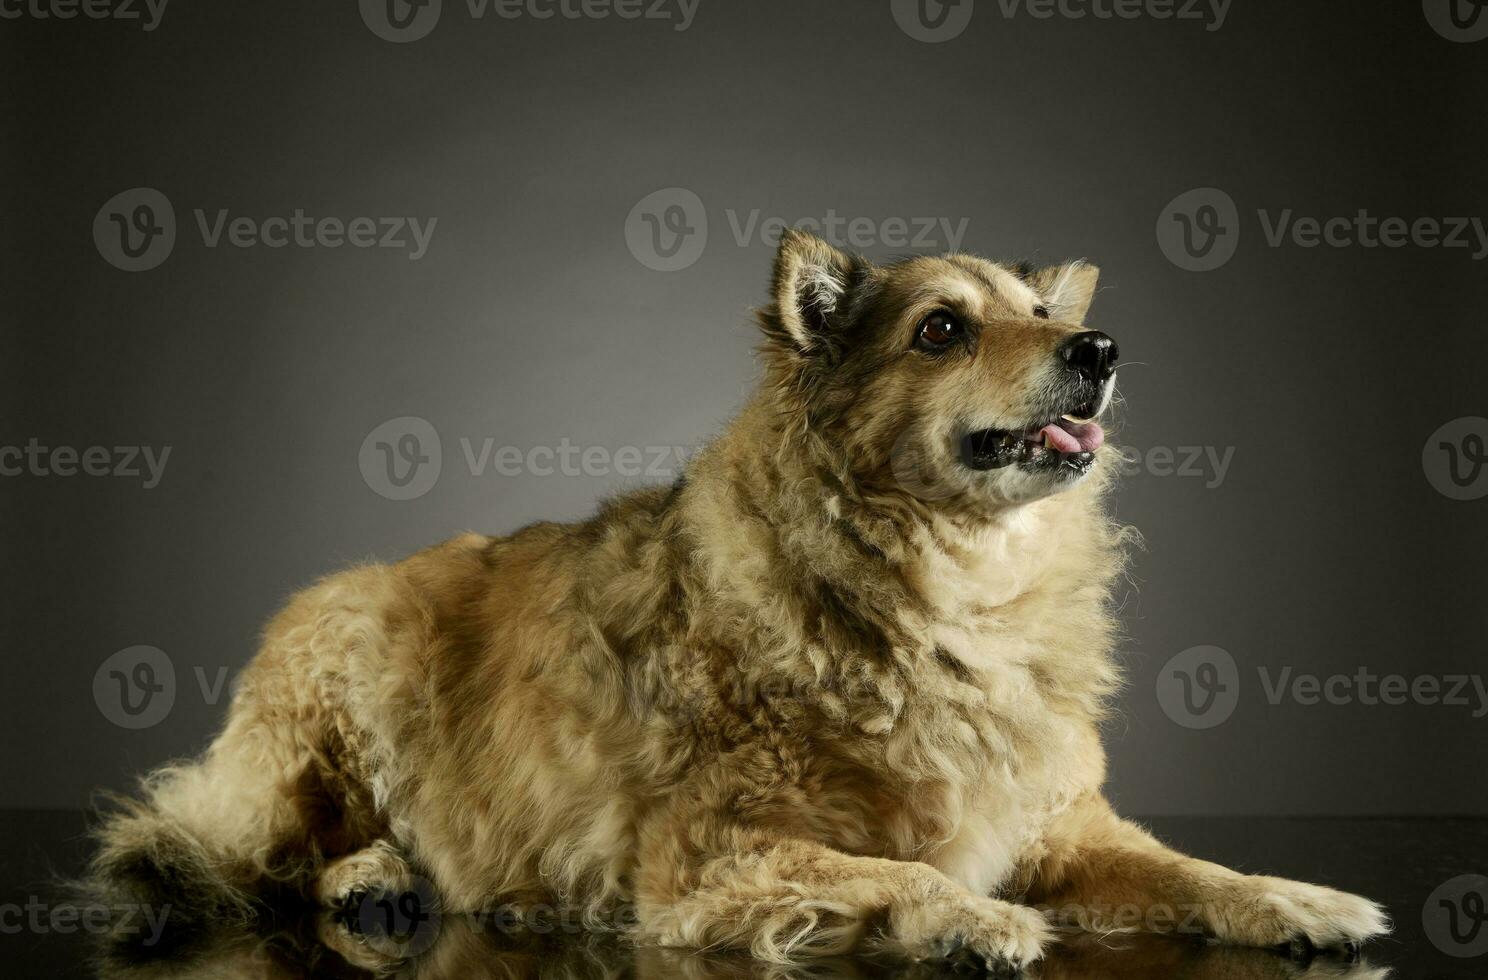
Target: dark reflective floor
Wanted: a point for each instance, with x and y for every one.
(1414, 867)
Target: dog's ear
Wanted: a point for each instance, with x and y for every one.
(809, 291)
(1066, 290)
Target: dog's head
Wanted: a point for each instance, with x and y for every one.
(956, 378)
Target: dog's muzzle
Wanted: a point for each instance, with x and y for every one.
(1066, 439)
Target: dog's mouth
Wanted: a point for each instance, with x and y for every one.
(1067, 443)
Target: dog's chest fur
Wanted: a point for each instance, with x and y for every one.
(959, 744)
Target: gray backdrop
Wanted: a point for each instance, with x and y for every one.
(562, 302)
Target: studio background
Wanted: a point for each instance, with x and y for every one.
(537, 317)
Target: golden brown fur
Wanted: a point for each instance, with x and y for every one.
(832, 691)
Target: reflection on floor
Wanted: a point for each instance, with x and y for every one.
(463, 948)
(1408, 864)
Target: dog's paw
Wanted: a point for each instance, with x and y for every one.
(350, 879)
(1301, 918)
(969, 934)
(341, 936)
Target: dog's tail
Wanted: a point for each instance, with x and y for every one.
(185, 863)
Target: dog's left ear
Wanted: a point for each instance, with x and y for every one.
(1066, 290)
(810, 289)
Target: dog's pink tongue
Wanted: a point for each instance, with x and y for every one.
(1074, 437)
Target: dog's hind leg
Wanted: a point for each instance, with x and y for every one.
(221, 840)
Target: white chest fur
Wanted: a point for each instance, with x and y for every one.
(1019, 632)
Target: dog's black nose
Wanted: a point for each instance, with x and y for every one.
(1091, 353)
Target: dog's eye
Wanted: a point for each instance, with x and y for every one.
(937, 330)
(1042, 312)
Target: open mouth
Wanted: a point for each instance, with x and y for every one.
(1067, 443)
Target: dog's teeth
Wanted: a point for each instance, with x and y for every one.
(1047, 443)
(1076, 419)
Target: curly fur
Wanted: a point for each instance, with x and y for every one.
(788, 705)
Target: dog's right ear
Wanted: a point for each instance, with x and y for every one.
(809, 291)
(1066, 290)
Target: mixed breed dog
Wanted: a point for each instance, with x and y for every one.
(836, 690)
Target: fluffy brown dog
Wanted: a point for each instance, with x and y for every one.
(838, 689)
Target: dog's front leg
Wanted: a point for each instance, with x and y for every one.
(785, 899)
(1103, 873)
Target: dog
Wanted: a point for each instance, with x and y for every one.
(837, 690)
